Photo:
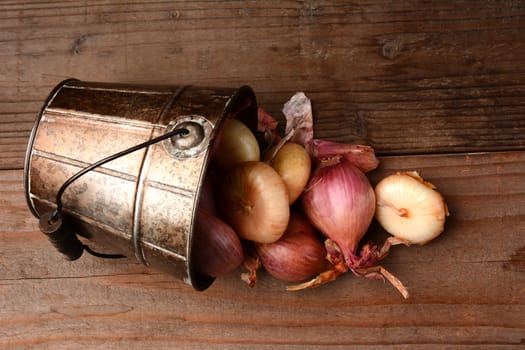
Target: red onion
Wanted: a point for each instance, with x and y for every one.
(216, 247)
(207, 199)
(340, 202)
(297, 255)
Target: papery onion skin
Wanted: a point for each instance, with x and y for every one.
(293, 164)
(298, 113)
(340, 202)
(363, 157)
(216, 248)
(410, 208)
(298, 255)
(254, 200)
(237, 144)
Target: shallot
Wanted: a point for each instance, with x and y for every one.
(216, 248)
(297, 255)
(340, 202)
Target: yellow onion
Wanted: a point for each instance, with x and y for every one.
(297, 255)
(216, 248)
(237, 144)
(254, 201)
(293, 164)
(340, 202)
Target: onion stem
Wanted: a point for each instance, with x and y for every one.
(321, 279)
(379, 271)
(389, 242)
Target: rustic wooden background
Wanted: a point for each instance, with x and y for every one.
(437, 86)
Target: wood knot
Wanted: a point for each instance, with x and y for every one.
(391, 49)
(76, 47)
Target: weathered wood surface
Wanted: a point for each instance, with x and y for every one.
(467, 287)
(448, 75)
(443, 82)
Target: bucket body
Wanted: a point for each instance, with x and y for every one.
(143, 204)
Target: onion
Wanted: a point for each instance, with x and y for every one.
(340, 202)
(237, 144)
(216, 248)
(293, 164)
(207, 194)
(297, 255)
(254, 200)
(410, 208)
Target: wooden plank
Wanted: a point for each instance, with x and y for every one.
(400, 76)
(467, 287)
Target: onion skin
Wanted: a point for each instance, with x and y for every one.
(298, 255)
(299, 119)
(340, 202)
(267, 125)
(363, 157)
(216, 248)
(254, 201)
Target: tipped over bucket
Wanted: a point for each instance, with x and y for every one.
(142, 204)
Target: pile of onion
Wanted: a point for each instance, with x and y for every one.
(300, 207)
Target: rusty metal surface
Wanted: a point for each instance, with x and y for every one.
(150, 195)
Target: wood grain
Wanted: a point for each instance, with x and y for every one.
(467, 287)
(398, 76)
(435, 86)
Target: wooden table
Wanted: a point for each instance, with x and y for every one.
(433, 86)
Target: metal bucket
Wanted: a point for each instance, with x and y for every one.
(144, 203)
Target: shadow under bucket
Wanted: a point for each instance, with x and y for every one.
(143, 203)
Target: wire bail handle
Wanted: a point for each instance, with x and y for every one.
(55, 225)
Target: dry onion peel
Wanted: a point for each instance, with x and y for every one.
(267, 125)
(299, 120)
(363, 157)
(250, 264)
(373, 272)
(299, 129)
(363, 268)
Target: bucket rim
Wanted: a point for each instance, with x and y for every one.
(31, 141)
(198, 281)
